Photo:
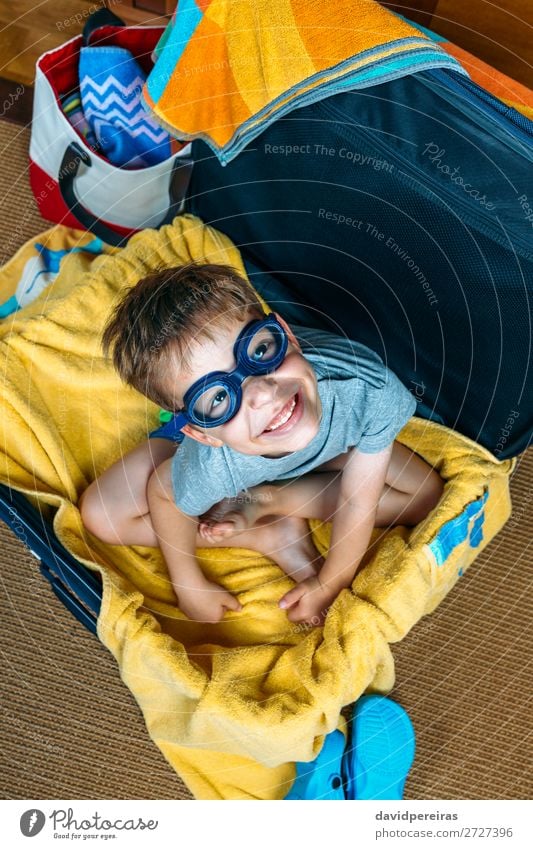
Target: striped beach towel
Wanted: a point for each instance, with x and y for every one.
(230, 68)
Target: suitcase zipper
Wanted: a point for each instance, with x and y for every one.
(490, 104)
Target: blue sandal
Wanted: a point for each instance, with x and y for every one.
(381, 750)
(321, 779)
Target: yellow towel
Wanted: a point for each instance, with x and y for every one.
(230, 705)
(36, 264)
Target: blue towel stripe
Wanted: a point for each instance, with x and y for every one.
(187, 19)
(468, 525)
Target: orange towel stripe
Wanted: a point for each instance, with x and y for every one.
(499, 84)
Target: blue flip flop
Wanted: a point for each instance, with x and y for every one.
(381, 751)
(321, 778)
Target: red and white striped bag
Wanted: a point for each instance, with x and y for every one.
(78, 187)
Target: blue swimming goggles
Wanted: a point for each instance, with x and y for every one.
(214, 399)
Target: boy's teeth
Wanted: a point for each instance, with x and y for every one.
(283, 416)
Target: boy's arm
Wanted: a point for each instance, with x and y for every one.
(362, 483)
(198, 598)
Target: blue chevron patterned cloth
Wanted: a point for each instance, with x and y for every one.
(110, 85)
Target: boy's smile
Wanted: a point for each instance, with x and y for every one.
(280, 411)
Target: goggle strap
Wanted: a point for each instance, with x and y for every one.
(174, 427)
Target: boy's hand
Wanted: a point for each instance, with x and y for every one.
(308, 601)
(206, 603)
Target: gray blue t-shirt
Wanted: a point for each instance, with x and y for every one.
(364, 405)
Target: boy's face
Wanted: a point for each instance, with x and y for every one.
(280, 412)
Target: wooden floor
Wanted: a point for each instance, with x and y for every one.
(498, 31)
(31, 27)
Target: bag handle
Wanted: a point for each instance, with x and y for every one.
(73, 157)
(101, 18)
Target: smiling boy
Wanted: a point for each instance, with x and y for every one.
(280, 425)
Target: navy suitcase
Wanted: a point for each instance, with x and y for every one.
(385, 243)
(403, 216)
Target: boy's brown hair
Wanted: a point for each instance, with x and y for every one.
(161, 315)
